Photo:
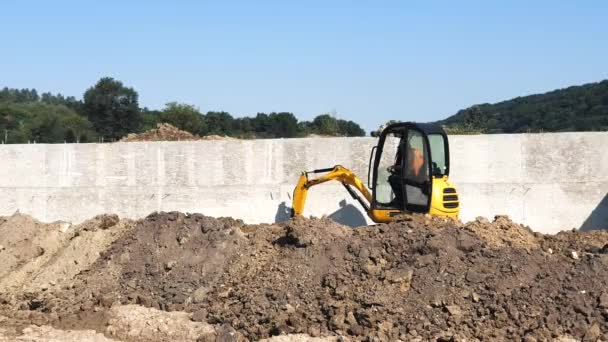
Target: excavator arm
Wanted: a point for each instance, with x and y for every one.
(339, 173)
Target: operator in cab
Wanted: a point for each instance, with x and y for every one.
(415, 171)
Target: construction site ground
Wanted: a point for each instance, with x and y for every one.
(188, 277)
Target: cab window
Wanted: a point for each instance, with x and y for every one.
(385, 194)
(439, 166)
(416, 172)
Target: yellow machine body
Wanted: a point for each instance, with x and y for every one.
(442, 201)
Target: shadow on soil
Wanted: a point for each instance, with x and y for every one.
(598, 219)
(348, 215)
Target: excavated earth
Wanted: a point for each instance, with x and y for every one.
(188, 277)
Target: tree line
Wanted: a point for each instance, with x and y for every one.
(576, 108)
(109, 110)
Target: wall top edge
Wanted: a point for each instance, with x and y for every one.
(365, 139)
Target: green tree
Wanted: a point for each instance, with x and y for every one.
(325, 124)
(81, 129)
(350, 129)
(112, 108)
(282, 125)
(150, 118)
(45, 127)
(12, 119)
(218, 123)
(261, 125)
(305, 128)
(46, 123)
(70, 136)
(244, 128)
(183, 116)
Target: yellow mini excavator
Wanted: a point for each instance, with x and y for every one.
(408, 173)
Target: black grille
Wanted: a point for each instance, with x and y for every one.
(450, 197)
(449, 191)
(451, 205)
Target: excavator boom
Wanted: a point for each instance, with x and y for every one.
(338, 173)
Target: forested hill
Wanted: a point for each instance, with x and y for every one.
(577, 108)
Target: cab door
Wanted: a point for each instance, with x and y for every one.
(386, 182)
(417, 183)
(386, 192)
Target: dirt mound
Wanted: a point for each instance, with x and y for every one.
(503, 232)
(420, 278)
(407, 280)
(38, 256)
(24, 239)
(167, 132)
(162, 132)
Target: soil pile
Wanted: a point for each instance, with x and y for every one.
(162, 132)
(503, 233)
(37, 256)
(168, 132)
(417, 279)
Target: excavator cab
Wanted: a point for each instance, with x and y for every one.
(408, 173)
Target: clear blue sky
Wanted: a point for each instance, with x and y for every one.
(369, 61)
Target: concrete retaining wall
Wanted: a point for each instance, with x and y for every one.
(548, 181)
